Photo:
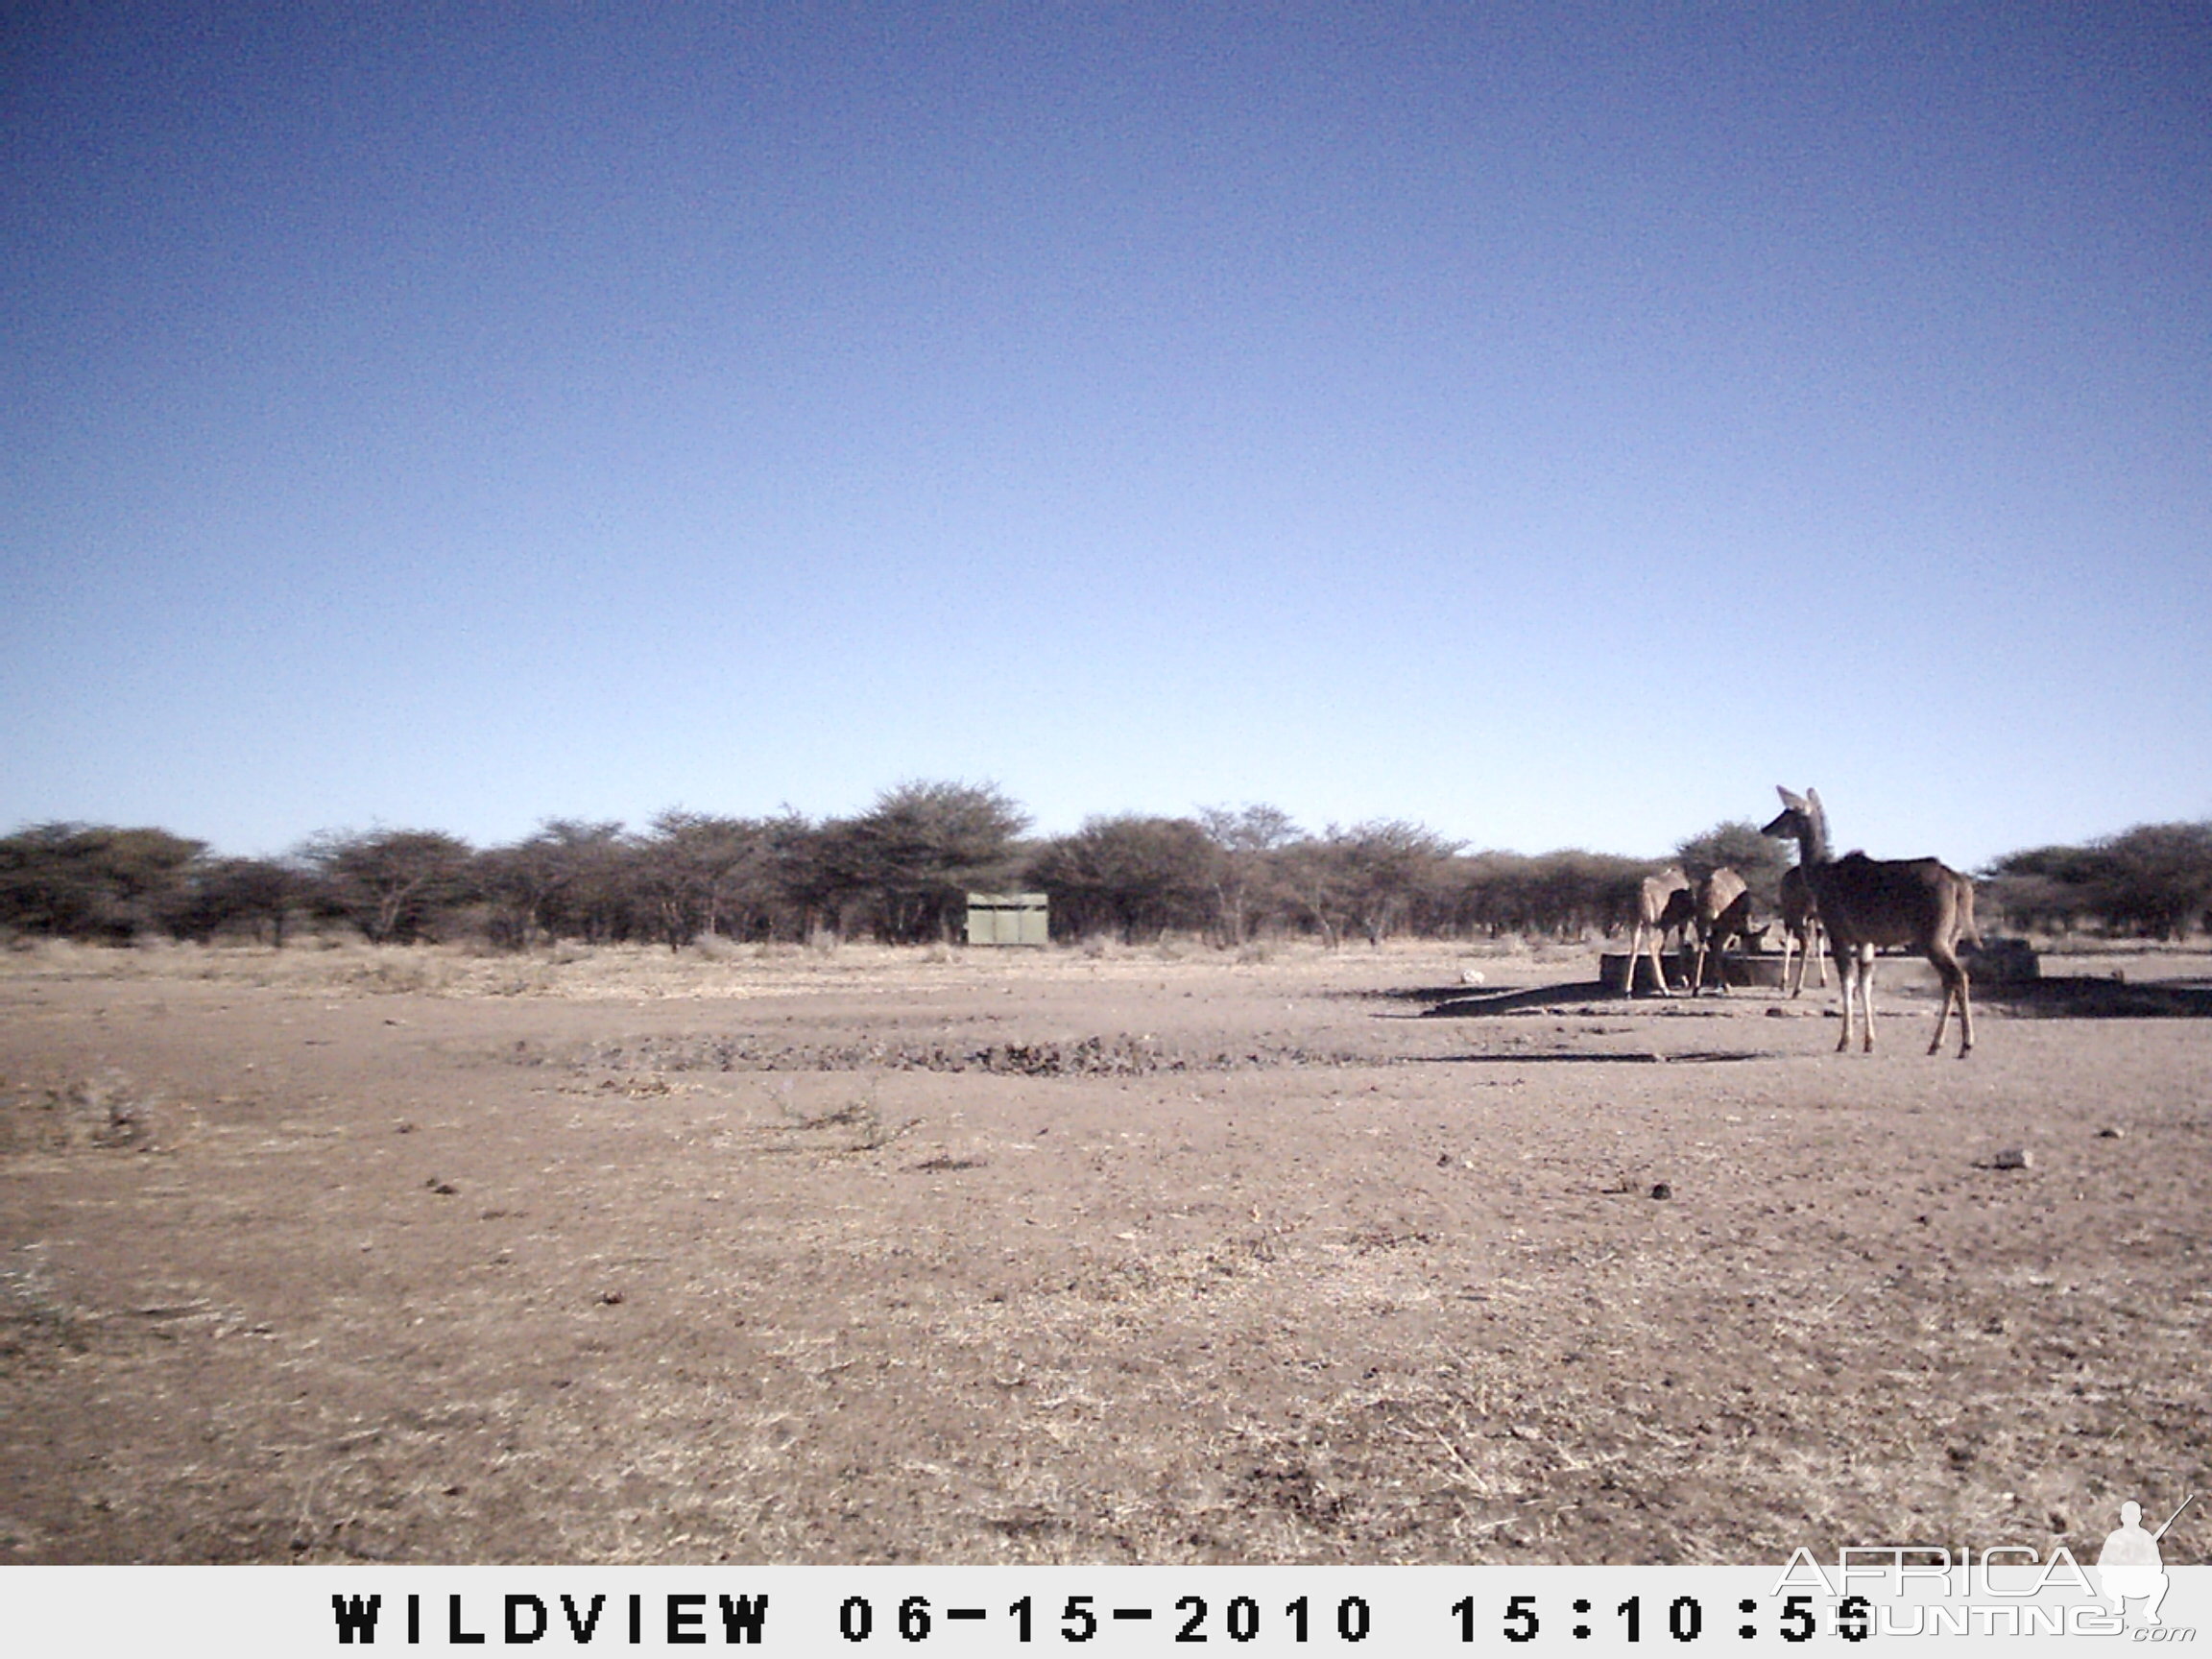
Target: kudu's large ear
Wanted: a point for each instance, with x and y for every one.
(1794, 802)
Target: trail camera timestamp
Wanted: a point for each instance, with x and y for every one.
(1683, 1619)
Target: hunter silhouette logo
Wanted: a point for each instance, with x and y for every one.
(2130, 1566)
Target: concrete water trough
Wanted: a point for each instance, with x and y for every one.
(1749, 972)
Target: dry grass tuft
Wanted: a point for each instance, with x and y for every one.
(107, 1111)
(30, 1302)
(857, 1124)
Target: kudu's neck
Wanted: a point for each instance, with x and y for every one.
(1813, 836)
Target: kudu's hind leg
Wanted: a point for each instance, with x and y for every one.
(1866, 993)
(1719, 951)
(1651, 939)
(1808, 947)
(1954, 976)
(1847, 982)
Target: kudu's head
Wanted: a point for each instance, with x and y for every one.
(1801, 820)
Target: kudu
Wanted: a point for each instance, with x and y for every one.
(1723, 915)
(1801, 930)
(1664, 902)
(1869, 903)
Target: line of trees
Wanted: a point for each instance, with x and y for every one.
(899, 873)
(2153, 881)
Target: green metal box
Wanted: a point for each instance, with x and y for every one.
(1007, 918)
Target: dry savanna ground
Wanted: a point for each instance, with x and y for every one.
(1156, 1256)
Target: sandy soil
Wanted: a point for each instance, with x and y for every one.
(871, 1256)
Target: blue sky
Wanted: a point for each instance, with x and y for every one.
(1555, 424)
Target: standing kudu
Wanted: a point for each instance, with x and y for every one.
(1663, 903)
(1801, 930)
(1869, 903)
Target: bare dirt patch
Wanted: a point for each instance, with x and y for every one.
(1123, 1257)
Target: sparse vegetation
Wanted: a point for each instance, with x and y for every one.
(750, 1252)
(107, 1111)
(2153, 881)
(32, 1306)
(856, 1121)
(899, 873)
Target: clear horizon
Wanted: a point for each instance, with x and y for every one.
(1553, 425)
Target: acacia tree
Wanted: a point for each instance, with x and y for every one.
(1134, 875)
(1390, 869)
(1567, 893)
(554, 883)
(1738, 844)
(909, 862)
(1574, 893)
(2051, 889)
(804, 875)
(94, 881)
(392, 884)
(1490, 893)
(2158, 878)
(2154, 880)
(255, 893)
(707, 875)
(1367, 879)
(1247, 874)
